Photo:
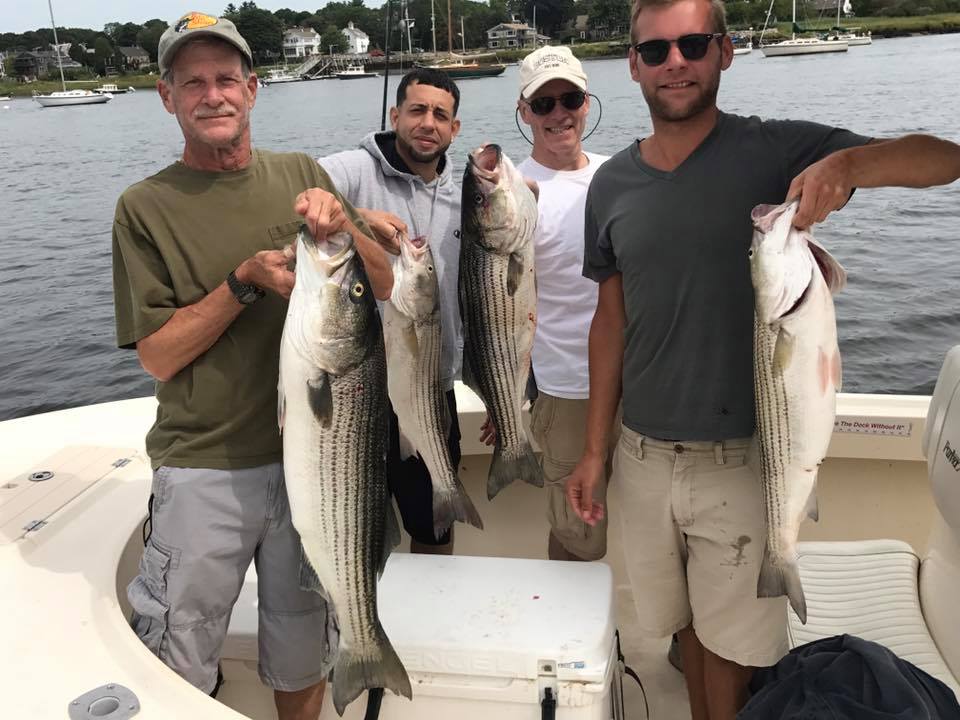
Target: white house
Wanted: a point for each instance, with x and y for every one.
(300, 42)
(357, 40)
(511, 35)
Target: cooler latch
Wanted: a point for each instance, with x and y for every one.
(547, 688)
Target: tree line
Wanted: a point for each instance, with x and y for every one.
(263, 29)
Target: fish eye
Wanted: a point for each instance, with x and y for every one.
(478, 199)
(429, 268)
(750, 253)
(357, 289)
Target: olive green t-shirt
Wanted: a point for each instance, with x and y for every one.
(176, 237)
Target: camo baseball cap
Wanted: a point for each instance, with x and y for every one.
(551, 62)
(194, 25)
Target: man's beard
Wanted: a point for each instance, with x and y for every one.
(419, 156)
(664, 111)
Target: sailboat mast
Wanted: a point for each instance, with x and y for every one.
(56, 42)
(433, 26)
(793, 27)
(449, 28)
(463, 36)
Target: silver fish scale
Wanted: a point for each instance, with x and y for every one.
(494, 366)
(429, 399)
(773, 431)
(354, 497)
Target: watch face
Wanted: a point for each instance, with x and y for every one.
(249, 297)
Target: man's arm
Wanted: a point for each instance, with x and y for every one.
(193, 329)
(606, 367)
(915, 161)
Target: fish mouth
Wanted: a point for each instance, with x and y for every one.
(330, 254)
(485, 164)
(413, 249)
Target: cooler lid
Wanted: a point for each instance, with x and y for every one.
(499, 617)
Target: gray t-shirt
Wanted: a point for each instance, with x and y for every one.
(680, 241)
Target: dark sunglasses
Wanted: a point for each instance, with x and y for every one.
(692, 47)
(545, 104)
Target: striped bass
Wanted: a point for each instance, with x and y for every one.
(411, 330)
(498, 305)
(796, 378)
(333, 415)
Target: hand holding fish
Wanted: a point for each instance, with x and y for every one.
(579, 487)
(488, 433)
(822, 188)
(322, 212)
(386, 228)
(269, 270)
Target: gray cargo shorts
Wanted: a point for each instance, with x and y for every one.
(206, 527)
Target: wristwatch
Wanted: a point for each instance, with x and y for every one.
(244, 293)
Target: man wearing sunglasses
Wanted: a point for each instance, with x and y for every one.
(407, 175)
(554, 103)
(667, 232)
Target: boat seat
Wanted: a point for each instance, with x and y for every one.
(869, 589)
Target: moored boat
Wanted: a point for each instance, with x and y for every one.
(72, 97)
(355, 71)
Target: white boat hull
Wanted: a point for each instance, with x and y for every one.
(804, 47)
(742, 51)
(54, 101)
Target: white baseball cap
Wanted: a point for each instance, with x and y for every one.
(551, 62)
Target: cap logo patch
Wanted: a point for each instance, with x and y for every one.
(194, 21)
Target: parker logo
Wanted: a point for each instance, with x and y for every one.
(952, 457)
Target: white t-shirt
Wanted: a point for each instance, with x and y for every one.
(565, 299)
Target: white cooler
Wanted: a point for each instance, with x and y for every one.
(487, 638)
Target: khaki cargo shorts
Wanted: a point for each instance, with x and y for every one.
(694, 530)
(206, 527)
(559, 425)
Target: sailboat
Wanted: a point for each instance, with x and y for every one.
(62, 98)
(800, 46)
(463, 66)
(853, 36)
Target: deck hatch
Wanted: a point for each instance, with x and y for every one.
(29, 499)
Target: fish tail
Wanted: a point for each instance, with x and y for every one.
(782, 579)
(519, 465)
(380, 668)
(452, 505)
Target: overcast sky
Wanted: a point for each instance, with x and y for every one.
(21, 15)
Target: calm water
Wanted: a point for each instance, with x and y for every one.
(63, 169)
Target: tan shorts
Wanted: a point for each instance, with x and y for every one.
(694, 530)
(558, 425)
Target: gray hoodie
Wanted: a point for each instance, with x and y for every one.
(366, 179)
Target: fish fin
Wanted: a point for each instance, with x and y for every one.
(407, 450)
(320, 396)
(309, 580)
(782, 579)
(783, 350)
(281, 405)
(391, 535)
(812, 507)
(514, 273)
(377, 667)
(453, 505)
(504, 470)
(833, 272)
